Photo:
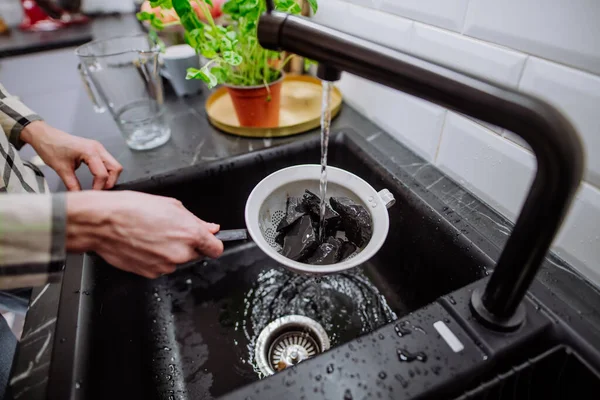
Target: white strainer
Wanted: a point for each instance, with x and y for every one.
(266, 206)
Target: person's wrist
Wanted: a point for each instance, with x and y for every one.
(87, 219)
(32, 131)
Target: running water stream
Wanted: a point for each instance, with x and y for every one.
(325, 127)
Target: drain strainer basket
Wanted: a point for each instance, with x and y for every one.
(266, 207)
(288, 341)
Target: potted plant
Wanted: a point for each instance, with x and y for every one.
(251, 74)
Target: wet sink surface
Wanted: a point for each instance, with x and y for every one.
(192, 334)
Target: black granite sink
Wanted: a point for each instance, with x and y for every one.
(191, 335)
(193, 332)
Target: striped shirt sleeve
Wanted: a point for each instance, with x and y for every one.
(32, 233)
(14, 116)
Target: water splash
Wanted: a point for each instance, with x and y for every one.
(347, 305)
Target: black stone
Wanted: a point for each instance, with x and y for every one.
(312, 203)
(327, 252)
(280, 237)
(356, 220)
(294, 210)
(347, 249)
(301, 240)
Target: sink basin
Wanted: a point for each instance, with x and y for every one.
(192, 334)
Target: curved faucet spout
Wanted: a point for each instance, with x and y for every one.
(557, 147)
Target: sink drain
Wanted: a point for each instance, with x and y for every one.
(288, 341)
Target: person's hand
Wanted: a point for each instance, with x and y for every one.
(64, 153)
(136, 232)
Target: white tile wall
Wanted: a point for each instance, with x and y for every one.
(548, 48)
(582, 251)
(515, 139)
(561, 30)
(500, 178)
(474, 56)
(414, 122)
(376, 26)
(577, 94)
(449, 14)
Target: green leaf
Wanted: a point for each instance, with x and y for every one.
(197, 34)
(220, 74)
(209, 2)
(204, 75)
(232, 36)
(189, 39)
(145, 16)
(313, 5)
(232, 58)
(283, 5)
(207, 50)
(161, 3)
(225, 43)
(294, 9)
(248, 6)
(193, 73)
(187, 15)
(231, 8)
(308, 62)
(157, 23)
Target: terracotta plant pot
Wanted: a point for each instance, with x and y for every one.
(255, 106)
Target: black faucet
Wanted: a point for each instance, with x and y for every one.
(557, 147)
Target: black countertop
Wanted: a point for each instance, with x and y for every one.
(195, 141)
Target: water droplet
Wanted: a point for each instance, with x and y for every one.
(381, 337)
(62, 340)
(419, 329)
(382, 375)
(171, 368)
(402, 381)
(406, 356)
(451, 300)
(166, 348)
(330, 368)
(447, 320)
(348, 395)
(169, 377)
(402, 329)
(318, 377)
(188, 281)
(77, 385)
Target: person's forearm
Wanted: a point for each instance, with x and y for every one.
(32, 230)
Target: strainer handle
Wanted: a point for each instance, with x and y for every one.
(387, 198)
(230, 235)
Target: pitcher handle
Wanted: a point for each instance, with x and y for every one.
(87, 84)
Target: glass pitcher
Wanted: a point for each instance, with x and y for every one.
(122, 75)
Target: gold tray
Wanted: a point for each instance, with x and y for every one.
(300, 109)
